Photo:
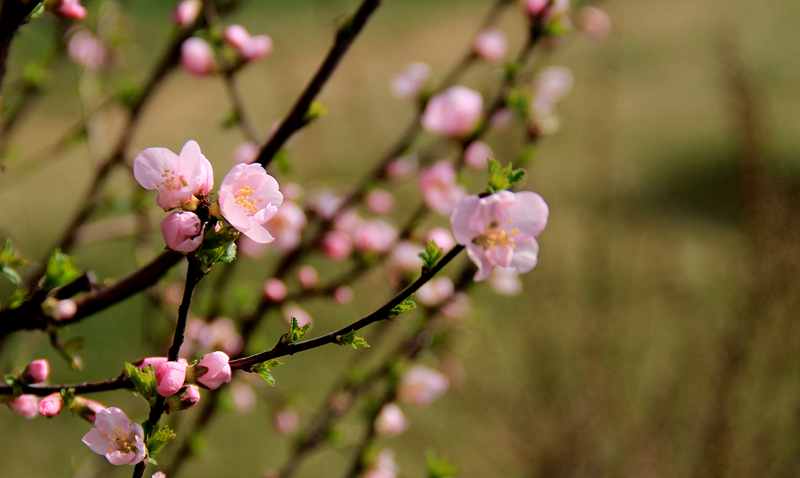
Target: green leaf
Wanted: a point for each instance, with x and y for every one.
(295, 332)
(60, 270)
(430, 256)
(350, 339)
(216, 246)
(16, 299)
(283, 161)
(262, 369)
(502, 178)
(405, 306)
(232, 120)
(144, 381)
(315, 110)
(68, 397)
(11, 274)
(439, 467)
(159, 439)
(229, 255)
(8, 256)
(13, 382)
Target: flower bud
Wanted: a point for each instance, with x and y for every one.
(213, 370)
(71, 9)
(453, 113)
(477, 155)
(24, 405)
(491, 45)
(391, 421)
(187, 397)
(337, 246)
(197, 57)
(308, 277)
(182, 231)
(86, 408)
(186, 12)
(343, 294)
(50, 405)
(275, 290)
(36, 372)
(409, 84)
(65, 309)
(170, 376)
(422, 385)
(287, 421)
(379, 201)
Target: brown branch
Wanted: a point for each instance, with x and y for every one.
(119, 383)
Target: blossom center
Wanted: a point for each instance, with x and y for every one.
(121, 441)
(244, 202)
(496, 236)
(170, 180)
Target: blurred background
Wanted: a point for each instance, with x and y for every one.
(659, 334)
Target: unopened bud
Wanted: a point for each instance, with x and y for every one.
(36, 372)
(86, 408)
(187, 397)
(50, 405)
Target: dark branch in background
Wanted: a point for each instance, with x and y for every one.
(119, 383)
(245, 121)
(296, 118)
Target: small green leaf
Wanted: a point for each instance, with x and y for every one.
(502, 178)
(262, 369)
(439, 467)
(159, 439)
(350, 339)
(151, 461)
(144, 381)
(15, 384)
(232, 120)
(295, 332)
(229, 255)
(11, 274)
(315, 110)
(68, 397)
(60, 270)
(16, 299)
(405, 306)
(283, 161)
(430, 256)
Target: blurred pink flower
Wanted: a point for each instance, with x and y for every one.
(243, 397)
(594, 23)
(551, 85)
(248, 198)
(505, 281)
(442, 237)
(24, 405)
(178, 178)
(116, 437)
(307, 276)
(458, 307)
(65, 309)
(454, 112)
(293, 310)
(501, 119)
(86, 50)
(384, 466)
(337, 246)
(404, 260)
(435, 291)
(286, 226)
(408, 84)
(197, 57)
(377, 236)
(275, 290)
(71, 9)
(36, 371)
(391, 421)
(186, 12)
(379, 201)
(500, 230)
(324, 202)
(477, 155)
(402, 168)
(286, 421)
(248, 47)
(50, 405)
(246, 152)
(439, 188)
(343, 294)
(534, 8)
(422, 385)
(491, 45)
(182, 231)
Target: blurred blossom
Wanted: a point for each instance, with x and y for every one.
(293, 310)
(348, 221)
(453, 113)
(50, 405)
(505, 281)
(197, 57)
(275, 290)
(458, 307)
(384, 466)
(439, 188)
(491, 45)
(287, 421)
(534, 8)
(594, 23)
(71, 9)
(551, 85)
(86, 50)
(343, 294)
(442, 237)
(25, 405)
(226, 336)
(308, 277)
(286, 226)
(65, 309)
(501, 119)
(341, 402)
(391, 421)
(379, 201)
(500, 230)
(248, 47)
(402, 168)
(172, 293)
(435, 291)
(408, 84)
(377, 236)
(246, 152)
(337, 245)
(404, 260)
(248, 198)
(251, 248)
(127, 445)
(422, 385)
(324, 202)
(243, 397)
(159, 475)
(186, 12)
(477, 155)
(292, 191)
(36, 371)
(182, 231)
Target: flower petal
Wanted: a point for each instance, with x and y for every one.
(526, 255)
(95, 440)
(149, 165)
(459, 220)
(476, 255)
(529, 212)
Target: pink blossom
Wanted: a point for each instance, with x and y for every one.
(292, 191)
(170, 376)
(500, 230)
(286, 226)
(243, 397)
(439, 188)
(182, 231)
(65, 309)
(36, 371)
(379, 201)
(337, 246)
(86, 50)
(275, 290)
(197, 57)
(154, 361)
(24, 405)
(534, 8)
(177, 178)
(551, 85)
(246, 152)
(595, 23)
(442, 237)
(218, 371)
(408, 84)
(491, 45)
(293, 310)
(116, 437)
(477, 155)
(404, 260)
(402, 168)
(226, 337)
(422, 385)
(186, 12)
(391, 421)
(454, 112)
(384, 466)
(159, 474)
(458, 307)
(50, 405)
(501, 119)
(376, 236)
(308, 277)
(343, 294)
(324, 202)
(251, 248)
(185, 398)
(435, 291)
(505, 281)
(248, 47)
(248, 198)
(287, 421)
(86, 408)
(71, 9)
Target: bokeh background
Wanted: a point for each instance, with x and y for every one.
(659, 335)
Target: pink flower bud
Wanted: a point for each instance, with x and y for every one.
(292, 191)
(402, 168)
(182, 231)
(458, 306)
(501, 119)
(595, 24)
(442, 237)
(248, 47)
(376, 236)
(275, 290)
(379, 201)
(551, 85)
(408, 84)
(154, 361)
(384, 466)
(159, 474)
(491, 45)
(186, 397)
(391, 421)
(477, 155)
(422, 385)
(435, 291)
(246, 152)
(36, 371)
(71, 9)
(186, 12)
(535, 8)
(286, 421)
(217, 370)
(86, 408)
(439, 188)
(308, 277)
(226, 337)
(24, 405)
(343, 294)
(454, 112)
(236, 36)
(243, 398)
(65, 309)
(287, 226)
(50, 405)
(337, 246)
(293, 310)
(86, 50)
(170, 376)
(324, 202)
(197, 57)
